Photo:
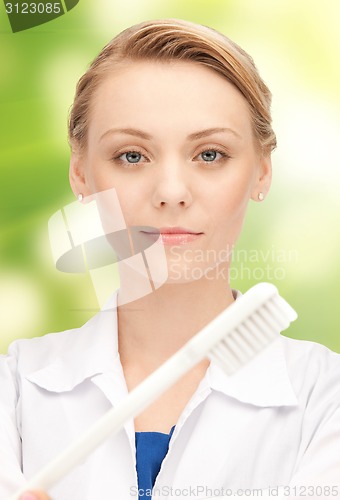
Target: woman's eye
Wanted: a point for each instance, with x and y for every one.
(212, 155)
(209, 155)
(131, 156)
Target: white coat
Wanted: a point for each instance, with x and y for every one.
(275, 422)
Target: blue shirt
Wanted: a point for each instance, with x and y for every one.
(151, 448)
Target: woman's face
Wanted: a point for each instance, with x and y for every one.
(175, 140)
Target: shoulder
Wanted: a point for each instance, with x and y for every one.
(314, 371)
(304, 353)
(34, 353)
(46, 346)
(79, 348)
(42, 350)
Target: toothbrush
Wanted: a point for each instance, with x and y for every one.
(230, 340)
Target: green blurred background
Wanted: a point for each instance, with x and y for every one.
(291, 239)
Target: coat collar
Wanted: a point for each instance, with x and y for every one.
(263, 382)
(92, 351)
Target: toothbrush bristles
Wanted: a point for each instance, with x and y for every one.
(253, 334)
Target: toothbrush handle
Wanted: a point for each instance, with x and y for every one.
(110, 423)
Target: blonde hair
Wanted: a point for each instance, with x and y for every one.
(173, 39)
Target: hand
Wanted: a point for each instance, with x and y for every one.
(35, 495)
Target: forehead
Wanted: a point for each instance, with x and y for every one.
(168, 97)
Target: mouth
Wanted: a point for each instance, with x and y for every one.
(175, 235)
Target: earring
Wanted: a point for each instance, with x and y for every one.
(80, 197)
(260, 196)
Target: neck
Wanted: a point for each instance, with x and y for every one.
(158, 324)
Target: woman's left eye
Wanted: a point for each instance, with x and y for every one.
(212, 155)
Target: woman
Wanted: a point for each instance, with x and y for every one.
(175, 119)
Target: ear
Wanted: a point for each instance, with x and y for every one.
(77, 173)
(263, 177)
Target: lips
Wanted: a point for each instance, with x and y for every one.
(173, 230)
(175, 235)
(177, 230)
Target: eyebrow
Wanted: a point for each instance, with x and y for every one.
(194, 136)
(210, 131)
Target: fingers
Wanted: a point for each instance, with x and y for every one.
(35, 495)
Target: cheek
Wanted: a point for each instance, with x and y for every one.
(231, 199)
(132, 199)
(102, 178)
(229, 204)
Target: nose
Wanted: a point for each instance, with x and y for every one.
(171, 186)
